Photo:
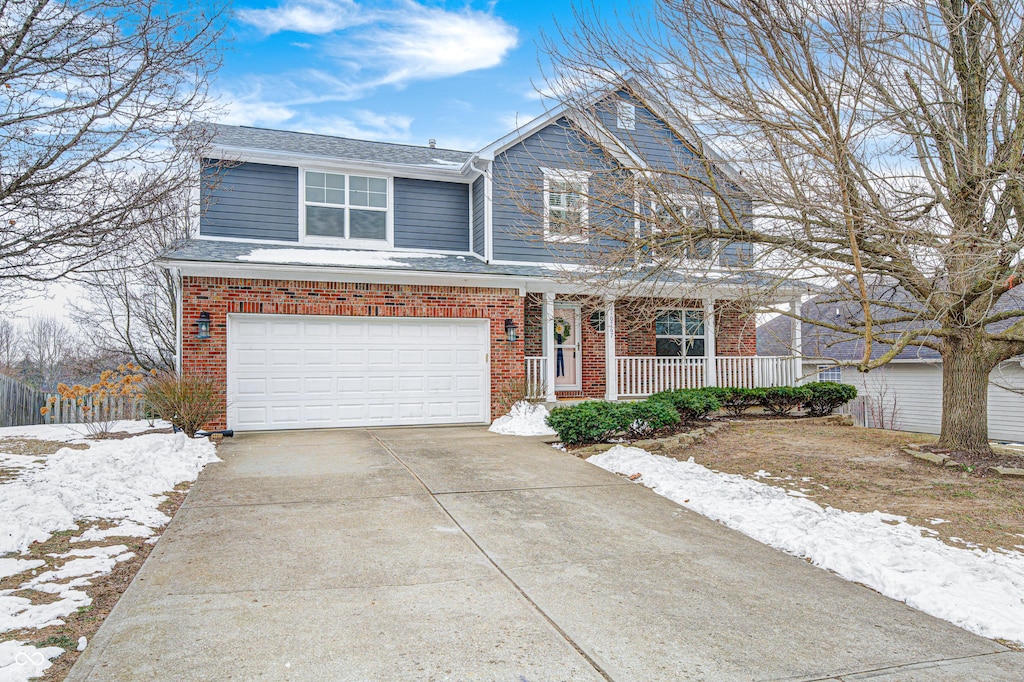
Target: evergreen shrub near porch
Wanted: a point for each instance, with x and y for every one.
(595, 421)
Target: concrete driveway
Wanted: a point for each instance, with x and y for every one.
(457, 554)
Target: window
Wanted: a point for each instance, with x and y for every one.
(679, 332)
(346, 206)
(625, 116)
(830, 373)
(690, 214)
(565, 205)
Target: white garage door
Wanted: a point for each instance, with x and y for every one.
(297, 372)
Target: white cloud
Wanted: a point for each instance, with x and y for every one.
(316, 17)
(396, 45)
(423, 43)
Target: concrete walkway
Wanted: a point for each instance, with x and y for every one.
(456, 554)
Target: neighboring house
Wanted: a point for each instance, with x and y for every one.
(905, 394)
(339, 282)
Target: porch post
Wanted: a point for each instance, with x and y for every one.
(796, 333)
(611, 369)
(710, 366)
(548, 345)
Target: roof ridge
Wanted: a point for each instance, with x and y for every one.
(341, 137)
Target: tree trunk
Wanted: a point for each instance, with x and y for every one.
(966, 365)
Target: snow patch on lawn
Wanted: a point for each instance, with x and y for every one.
(524, 419)
(977, 590)
(20, 661)
(116, 480)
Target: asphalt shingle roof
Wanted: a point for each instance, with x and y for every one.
(329, 146)
(775, 336)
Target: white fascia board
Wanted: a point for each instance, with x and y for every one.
(607, 141)
(307, 273)
(275, 158)
(518, 135)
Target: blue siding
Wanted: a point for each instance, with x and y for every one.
(431, 215)
(654, 142)
(479, 221)
(519, 234)
(250, 201)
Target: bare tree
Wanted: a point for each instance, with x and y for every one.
(10, 348)
(130, 303)
(96, 98)
(881, 142)
(50, 348)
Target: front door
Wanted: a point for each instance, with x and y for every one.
(568, 358)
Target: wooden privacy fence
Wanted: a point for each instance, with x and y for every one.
(19, 403)
(67, 411)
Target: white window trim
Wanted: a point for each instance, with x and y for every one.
(576, 177)
(685, 337)
(690, 201)
(625, 122)
(369, 244)
(822, 369)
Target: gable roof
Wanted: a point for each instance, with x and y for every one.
(775, 336)
(228, 137)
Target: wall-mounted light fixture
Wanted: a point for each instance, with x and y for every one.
(203, 326)
(511, 331)
(597, 320)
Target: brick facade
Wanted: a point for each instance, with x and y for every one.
(222, 296)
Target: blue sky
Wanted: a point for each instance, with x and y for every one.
(397, 71)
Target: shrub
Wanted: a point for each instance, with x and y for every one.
(690, 404)
(596, 420)
(588, 422)
(826, 396)
(646, 417)
(186, 401)
(105, 402)
(516, 391)
(736, 401)
(782, 400)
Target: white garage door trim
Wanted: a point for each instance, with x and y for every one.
(320, 371)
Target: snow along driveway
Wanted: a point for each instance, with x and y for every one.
(119, 481)
(981, 591)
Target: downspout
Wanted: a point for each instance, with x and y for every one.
(176, 275)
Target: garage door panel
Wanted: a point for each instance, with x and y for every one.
(336, 371)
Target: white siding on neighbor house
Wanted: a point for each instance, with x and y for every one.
(908, 397)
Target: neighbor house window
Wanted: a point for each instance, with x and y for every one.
(677, 216)
(830, 373)
(679, 333)
(625, 116)
(346, 206)
(565, 205)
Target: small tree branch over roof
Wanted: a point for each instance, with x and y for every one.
(878, 141)
(96, 97)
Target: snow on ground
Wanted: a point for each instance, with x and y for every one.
(524, 419)
(977, 590)
(120, 481)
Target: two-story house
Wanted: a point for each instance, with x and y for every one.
(338, 282)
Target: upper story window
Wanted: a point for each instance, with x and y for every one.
(625, 116)
(339, 206)
(565, 205)
(692, 213)
(830, 373)
(679, 333)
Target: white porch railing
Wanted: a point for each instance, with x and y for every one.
(642, 376)
(536, 371)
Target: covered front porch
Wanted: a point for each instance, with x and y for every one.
(579, 346)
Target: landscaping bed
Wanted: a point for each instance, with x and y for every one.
(864, 470)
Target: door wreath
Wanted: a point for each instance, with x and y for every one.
(562, 330)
